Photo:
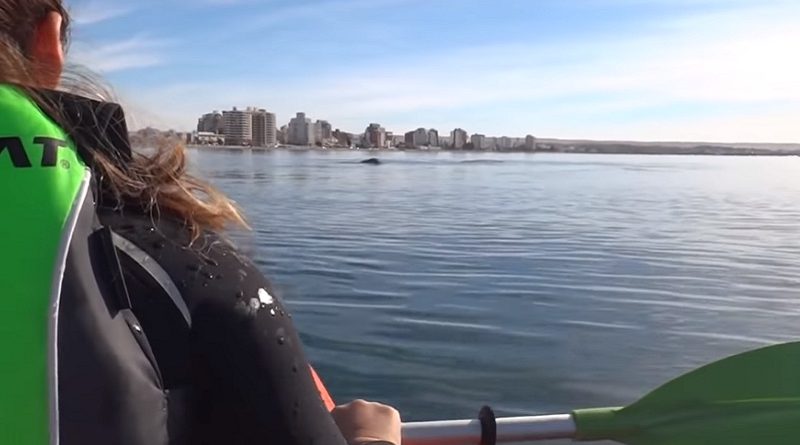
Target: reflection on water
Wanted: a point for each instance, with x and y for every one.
(537, 283)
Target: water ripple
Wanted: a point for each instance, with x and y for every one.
(440, 282)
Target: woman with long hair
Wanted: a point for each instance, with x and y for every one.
(125, 317)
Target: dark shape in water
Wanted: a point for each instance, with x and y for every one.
(481, 161)
(372, 161)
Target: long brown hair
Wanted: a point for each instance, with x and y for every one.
(157, 181)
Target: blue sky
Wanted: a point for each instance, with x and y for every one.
(688, 70)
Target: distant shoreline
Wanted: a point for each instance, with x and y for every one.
(585, 148)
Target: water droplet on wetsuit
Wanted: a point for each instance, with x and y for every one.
(281, 336)
(265, 297)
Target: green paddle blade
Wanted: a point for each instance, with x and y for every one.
(748, 399)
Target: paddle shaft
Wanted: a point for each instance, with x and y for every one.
(509, 430)
(749, 398)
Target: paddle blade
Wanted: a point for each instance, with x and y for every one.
(748, 399)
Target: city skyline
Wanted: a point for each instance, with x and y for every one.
(257, 127)
(684, 70)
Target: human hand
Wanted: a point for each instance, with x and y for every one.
(362, 422)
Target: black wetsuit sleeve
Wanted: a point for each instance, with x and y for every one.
(249, 380)
(248, 359)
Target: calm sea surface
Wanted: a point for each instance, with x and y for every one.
(439, 282)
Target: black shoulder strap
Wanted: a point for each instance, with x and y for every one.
(109, 387)
(155, 271)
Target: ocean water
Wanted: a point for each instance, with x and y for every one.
(439, 282)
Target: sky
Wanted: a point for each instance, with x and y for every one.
(649, 70)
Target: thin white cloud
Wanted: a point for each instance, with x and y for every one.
(687, 3)
(227, 2)
(741, 60)
(132, 53)
(742, 127)
(321, 9)
(91, 12)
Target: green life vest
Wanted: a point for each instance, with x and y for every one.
(41, 179)
(75, 365)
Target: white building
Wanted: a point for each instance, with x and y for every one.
(375, 136)
(301, 131)
(211, 123)
(505, 143)
(208, 138)
(458, 138)
(238, 127)
(322, 131)
(530, 143)
(479, 142)
(420, 137)
(264, 132)
(433, 138)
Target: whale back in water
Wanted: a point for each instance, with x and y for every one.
(372, 161)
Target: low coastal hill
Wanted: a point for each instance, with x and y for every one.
(678, 148)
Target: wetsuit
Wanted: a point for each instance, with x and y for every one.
(240, 365)
(116, 327)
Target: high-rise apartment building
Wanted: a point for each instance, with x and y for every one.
(530, 143)
(211, 123)
(420, 138)
(375, 136)
(264, 132)
(322, 131)
(249, 127)
(458, 139)
(301, 131)
(433, 138)
(408, 138)
(283, 133)
(238, 127)
(505, 143)
(479, 142)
